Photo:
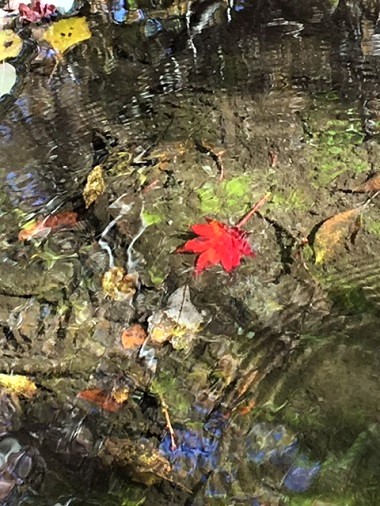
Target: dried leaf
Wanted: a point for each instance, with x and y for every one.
(140, 459)
(95, 186)
(109, 401)
(10, 44)
(43, 226)
(372, 185)
(133, 337)
(332, 233)
(178, 323)
(119, 285)
(17, 384)
(66, 33)
(217, 243)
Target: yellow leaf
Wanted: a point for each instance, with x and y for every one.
(66, 33)
(119, 285)
(18, 384)
(10, 44)
(95, 186)
(332, 233)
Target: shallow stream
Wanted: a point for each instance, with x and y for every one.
(153, 385)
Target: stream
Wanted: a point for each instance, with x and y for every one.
(139, 379)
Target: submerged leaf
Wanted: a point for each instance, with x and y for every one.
(332, 232)
(119, 285)
(178, 323)
(109, 401)
(43, 226)
(95, 186)
(10, 44)
(66, 33)
(217, 243)
(17, 384)
(133, 337)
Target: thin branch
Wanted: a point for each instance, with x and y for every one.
(165, 411)
(254, 210)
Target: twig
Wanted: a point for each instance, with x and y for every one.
(215, 154)
(58, 60)
(165, 411)
(254, 210)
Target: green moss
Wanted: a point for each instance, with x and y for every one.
(336, 144)
(151, 218)
(170, 389)
(372, 226)
(294, 200)
(227, 198)
(351, 299)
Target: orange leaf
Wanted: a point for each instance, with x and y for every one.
(43, 226)
(133, 336)
(101, 398)
(332, 233)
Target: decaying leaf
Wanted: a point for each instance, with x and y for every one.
(178, 323)
(109, 401)
(95, 186)
(10, 44)
(140, 459)
(17, 384)
(43, 226)
(372, 185)
(118, 284)
(133, 337)
(66, 33)
(332, 233)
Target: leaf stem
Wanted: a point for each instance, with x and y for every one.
(254, 210)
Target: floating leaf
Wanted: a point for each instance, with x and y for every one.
(372, 185)
(10, 44)
(133, 337)
(43, 226)
(119, 285)
(217, 243)
(8, 78)
(95, 186)
(17, 384)
(109, 401)
(332, 232)
(66, 33)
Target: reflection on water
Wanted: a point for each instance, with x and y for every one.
(266, 81)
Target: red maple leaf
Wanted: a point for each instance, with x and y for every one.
(219, 243)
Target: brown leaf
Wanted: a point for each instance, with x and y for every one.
(372, 185)
(332, 233)
(43, 226)
(109, 401)
(133, 336)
